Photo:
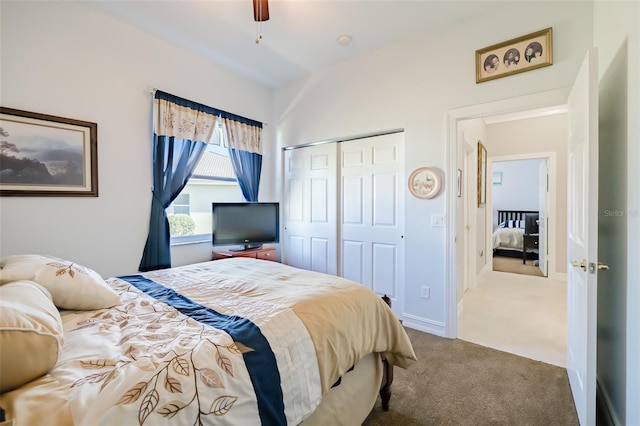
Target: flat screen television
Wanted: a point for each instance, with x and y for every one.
(248, 225)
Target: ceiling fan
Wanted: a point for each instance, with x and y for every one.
(260, 10)
(260, 14)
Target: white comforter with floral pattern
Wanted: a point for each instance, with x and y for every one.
(236, 341)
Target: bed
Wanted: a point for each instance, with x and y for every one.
(508, 236)
(233, 341)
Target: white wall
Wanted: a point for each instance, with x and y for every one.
(412, 85)
(518, 189)
(66, 59)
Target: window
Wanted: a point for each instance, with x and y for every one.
(213, 180)
(181, 204)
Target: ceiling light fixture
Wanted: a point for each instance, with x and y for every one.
(344, 40)
(260, 14)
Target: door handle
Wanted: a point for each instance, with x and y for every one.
(468, 227)
(603, 266)
(582, 264)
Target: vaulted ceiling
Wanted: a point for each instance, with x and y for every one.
(301, 36)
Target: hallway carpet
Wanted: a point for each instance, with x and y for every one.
(460, 383)
(514, 265)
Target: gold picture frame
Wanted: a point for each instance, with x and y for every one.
(514, 56)
(482, 174)
(46, 155)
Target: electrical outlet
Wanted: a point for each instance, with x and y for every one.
(425, 292)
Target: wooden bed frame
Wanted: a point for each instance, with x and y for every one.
(387, 374)
(514, 215)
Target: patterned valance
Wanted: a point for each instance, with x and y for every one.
(184, 119)
(243, 136)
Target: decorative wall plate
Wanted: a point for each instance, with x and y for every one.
(424, 182)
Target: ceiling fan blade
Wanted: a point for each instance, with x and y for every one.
(261, 10)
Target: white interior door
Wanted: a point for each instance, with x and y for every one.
(582, 239)
(310, 219)
(543, 199)
(372, 219)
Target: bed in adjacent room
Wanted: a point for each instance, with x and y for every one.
(508, 236)
(233, 341)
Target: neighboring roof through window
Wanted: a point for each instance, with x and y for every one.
(214, 166)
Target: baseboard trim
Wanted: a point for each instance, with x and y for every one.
(605, 415)
(424, 324)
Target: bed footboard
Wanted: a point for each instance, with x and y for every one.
(387, 374)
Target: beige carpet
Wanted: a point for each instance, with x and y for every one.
(514, 265)
(460, 383)
(519, 314)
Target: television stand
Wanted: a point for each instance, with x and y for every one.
(263, 253)
(248, 247)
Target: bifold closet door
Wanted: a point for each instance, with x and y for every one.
(309, 208)
(346, 217)
(371, 211)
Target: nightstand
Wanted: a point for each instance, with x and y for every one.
(529, 242)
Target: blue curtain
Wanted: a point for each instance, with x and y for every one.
(182, 129)
(247, 166)
(173, 163)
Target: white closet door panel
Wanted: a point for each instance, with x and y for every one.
(294, 163)
(295, 201)
(385, 155)
(384, 269)
(352, 208)
(353, 260)
(319, 200)
(295, 244)
(310, 222)
(354, 157)
(385, 200)
(320, 255)
(371, 203)
(320, 162)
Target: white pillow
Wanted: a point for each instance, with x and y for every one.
(72, 286)
(31, 333)
(512, 224)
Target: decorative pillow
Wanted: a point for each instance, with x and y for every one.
(72, 286)
(512, 224)
(30, 333)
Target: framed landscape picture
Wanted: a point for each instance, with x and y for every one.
(45, 155)
(521, 54)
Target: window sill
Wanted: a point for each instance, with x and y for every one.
(191, 239)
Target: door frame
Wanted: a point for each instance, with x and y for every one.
(553, 98)
(469, 156)
(551, 242)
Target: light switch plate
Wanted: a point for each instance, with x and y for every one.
(437, 220)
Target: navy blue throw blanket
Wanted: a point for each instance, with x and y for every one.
(261, 362)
